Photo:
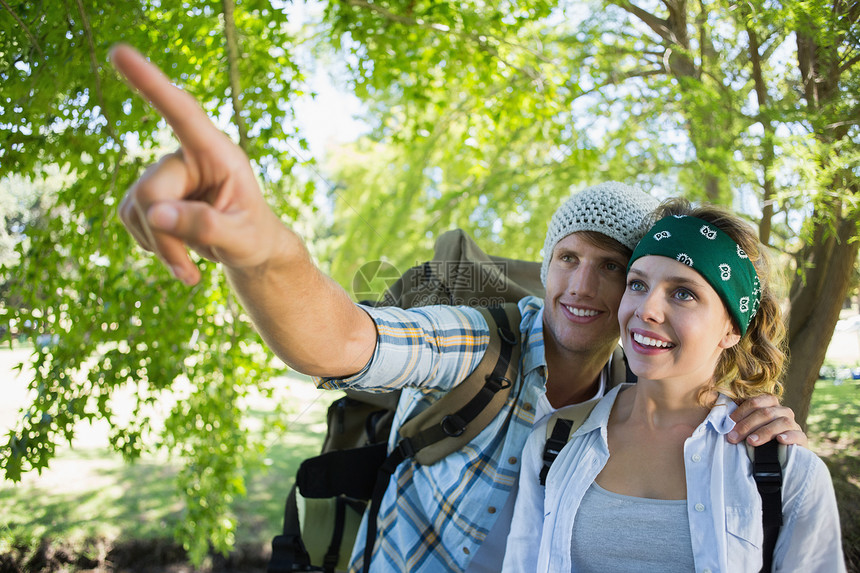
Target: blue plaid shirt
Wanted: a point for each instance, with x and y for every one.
(434, 518)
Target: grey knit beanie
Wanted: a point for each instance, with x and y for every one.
(612, 209)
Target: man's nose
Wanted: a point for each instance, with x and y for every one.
(585, 281)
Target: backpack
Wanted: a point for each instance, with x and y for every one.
(324, 508)
(768, 461)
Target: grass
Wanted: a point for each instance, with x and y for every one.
(833, 432)
(91, 506)
(90, 500)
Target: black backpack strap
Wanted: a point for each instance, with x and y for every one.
(618, 371)
(394, 459)
(463, 411)
(559, 429)
(332, 555)
(334, 473)
(452, 431)
(558, 438)
(629, 376)
(288, 551)
(767, 472)
(565, 421)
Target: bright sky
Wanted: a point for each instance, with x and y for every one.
(330, 116)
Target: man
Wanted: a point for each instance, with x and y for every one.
(453, 515)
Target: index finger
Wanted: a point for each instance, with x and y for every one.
(188, 120)
(751, 405)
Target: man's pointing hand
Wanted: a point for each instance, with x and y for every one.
(204, 196)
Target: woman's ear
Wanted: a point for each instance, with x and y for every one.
(732, 337)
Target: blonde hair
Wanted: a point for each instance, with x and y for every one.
(754, 365)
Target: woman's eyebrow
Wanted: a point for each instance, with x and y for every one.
(673, 279)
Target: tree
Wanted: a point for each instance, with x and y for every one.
(737, 104)
(485, 115)
(828, 54)
(119, 320)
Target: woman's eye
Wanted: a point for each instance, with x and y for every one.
(684, 294)
(636, 285)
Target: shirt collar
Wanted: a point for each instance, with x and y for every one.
(718, 418)
(601, 411)
(535, 355)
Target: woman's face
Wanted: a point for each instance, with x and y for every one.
(674, 326)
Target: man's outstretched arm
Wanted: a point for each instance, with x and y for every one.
(205, 197)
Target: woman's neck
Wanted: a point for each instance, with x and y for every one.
(648, 427)
(664, 404)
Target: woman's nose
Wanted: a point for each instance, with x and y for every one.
(650, 308)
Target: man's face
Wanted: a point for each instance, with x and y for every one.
(584, 286)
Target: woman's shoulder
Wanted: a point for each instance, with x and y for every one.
(804, 464)
(793, 459)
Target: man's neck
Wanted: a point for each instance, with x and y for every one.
(573, 378)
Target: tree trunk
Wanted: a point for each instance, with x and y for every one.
(817, 294)
(767, 151)
(815, 305)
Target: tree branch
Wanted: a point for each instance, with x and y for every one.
(842, 124)
(615, 79)
(231, 36)
(658, 25)
(94, 66)
(767, 145)
(25, 28)
(477, 38)
(849, 63)
(388, 15)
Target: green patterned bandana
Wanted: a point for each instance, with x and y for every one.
(713, 254)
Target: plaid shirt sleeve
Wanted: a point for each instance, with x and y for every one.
(435, 518)
(432, 347)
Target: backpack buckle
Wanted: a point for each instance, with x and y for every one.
(500, 383)
(406, 449)
(768, 476)
(453, 425)
(506, 335)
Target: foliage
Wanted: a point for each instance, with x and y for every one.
(750, 105)
(114, 316)
(485, 114)
(475, 129)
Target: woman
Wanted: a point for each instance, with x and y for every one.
(648, 483)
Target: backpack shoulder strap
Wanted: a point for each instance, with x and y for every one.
(768, 462)
(619, 370)
(559, 428)
(461, 413)
(451, 422)
(564, 422)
